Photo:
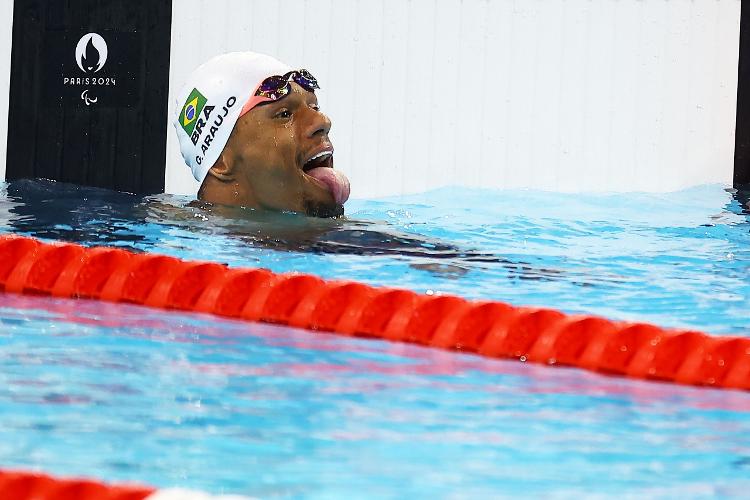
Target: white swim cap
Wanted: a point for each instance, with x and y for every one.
(212, 101)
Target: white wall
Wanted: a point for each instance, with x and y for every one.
(6, 35)
(568, 95)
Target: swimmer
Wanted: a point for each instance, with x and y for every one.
(252, 132)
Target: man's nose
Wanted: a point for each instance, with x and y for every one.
(319, 124)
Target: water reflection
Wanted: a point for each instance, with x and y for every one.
(215, 404)
(95, 216)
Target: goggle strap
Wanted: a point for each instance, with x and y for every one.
(253, 101)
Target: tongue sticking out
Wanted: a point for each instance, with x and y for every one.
(336, 182)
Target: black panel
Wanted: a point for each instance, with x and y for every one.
(742, 132)
(88, 92)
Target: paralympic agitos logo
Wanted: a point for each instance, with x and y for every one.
(195, 115)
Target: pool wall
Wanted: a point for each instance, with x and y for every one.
(558, 95)
(562, 95)
(6, 32)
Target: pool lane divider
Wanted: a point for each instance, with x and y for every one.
(487, 328)
(23, 485)
(18, 485)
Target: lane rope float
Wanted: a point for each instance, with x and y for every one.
(23, 485)
(29, 485)
(493, 329)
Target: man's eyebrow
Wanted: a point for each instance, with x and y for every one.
(281, 103)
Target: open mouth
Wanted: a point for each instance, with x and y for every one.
(322, 159)
(319, 167)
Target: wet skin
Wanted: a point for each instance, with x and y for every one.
(264, 162)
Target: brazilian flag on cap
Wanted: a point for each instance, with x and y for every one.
(191, 111)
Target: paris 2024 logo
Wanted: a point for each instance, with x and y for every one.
(91, 56)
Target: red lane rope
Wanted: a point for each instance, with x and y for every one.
(33, 486)
(487, 328)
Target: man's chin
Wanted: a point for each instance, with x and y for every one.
(314, 209)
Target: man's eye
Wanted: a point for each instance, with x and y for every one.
(284, 113)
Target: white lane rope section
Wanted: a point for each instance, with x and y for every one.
(183, 494)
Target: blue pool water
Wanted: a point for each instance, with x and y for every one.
(128, 393)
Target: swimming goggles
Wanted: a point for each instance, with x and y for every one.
(275, 87)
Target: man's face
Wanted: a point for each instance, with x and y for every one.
(275, 144)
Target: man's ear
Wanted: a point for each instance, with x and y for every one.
(223, 169)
